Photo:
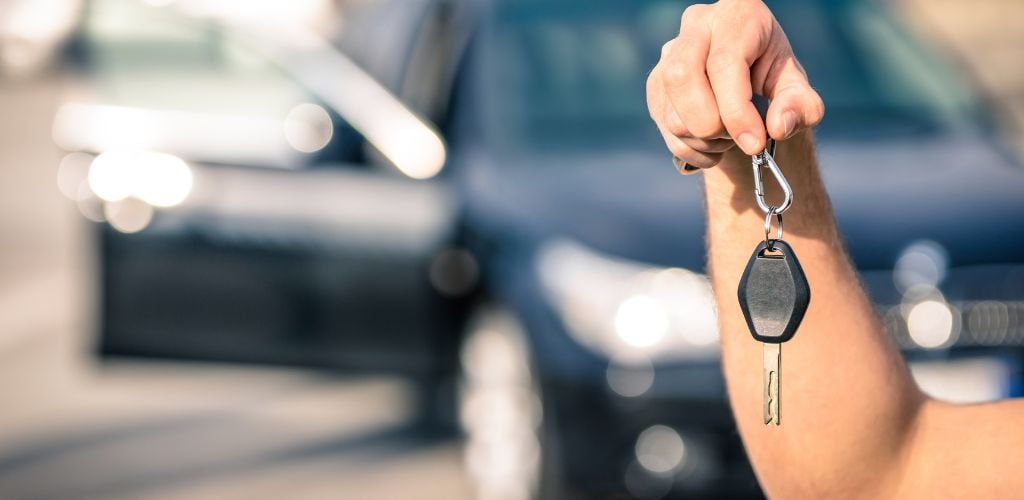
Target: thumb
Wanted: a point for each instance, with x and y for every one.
(794, 104)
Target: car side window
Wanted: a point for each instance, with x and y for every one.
(164, 80)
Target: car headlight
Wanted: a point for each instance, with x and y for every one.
(627, 310)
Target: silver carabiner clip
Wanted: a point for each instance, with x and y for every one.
(762, 160)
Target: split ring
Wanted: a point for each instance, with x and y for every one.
(769, 243)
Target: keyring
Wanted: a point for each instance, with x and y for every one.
(768, 242)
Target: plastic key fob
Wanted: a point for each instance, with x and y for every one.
(773, 292)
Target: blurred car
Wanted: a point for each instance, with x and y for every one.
(244, 220)
(547, 252)
(593, 247)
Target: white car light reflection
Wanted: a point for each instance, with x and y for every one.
(629, 311)
(159, 179)
(641, 321)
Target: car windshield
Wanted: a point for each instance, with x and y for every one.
(555, 73)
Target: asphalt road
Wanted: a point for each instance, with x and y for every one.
(72, 427)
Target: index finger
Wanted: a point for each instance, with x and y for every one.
(686, 82)
(728, 70)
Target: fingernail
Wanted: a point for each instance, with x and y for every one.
(748, 142)
(789, 121)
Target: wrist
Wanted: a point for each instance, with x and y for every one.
(732, 209)
(731, 184)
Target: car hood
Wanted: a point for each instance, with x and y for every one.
(958, 191)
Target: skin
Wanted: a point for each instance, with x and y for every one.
(854, 423)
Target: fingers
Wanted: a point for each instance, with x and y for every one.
(703, 153)
(690, 155)
(686, 86)
(795, 105)
(674, 125)
(709, 146)
(700, 92)
(728, 70)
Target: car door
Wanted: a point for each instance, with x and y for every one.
(258, 199)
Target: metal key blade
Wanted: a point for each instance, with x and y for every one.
(772, 364)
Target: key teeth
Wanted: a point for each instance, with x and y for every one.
(772, 380)
(772, 400)
(774, 406)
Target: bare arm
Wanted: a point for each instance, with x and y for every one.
(849, 402)
(855, 424)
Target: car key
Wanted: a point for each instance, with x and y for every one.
(773, 295)
(773, 291)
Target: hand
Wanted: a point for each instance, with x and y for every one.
(699, 93)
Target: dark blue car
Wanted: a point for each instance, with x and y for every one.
(551, 274)
(594, 252)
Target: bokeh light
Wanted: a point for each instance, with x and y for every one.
(129, 215)
(660, 449)
(631, 378)
(641, 321)
(159, 179)
(308, 128)
(921, 265)
(930, 323)
(73, 175)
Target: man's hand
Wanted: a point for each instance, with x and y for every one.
(699, 93)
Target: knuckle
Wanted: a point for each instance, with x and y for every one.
(817, 110)
(673, 123)
(693, 12)
(676, 75)
(755, 8)
(676, 127)
(666, 48)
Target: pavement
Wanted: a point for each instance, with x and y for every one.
(75, 427)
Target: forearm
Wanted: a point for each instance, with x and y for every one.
(848, 401)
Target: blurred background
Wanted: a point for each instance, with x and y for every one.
(435, 249)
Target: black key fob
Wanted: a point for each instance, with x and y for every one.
(774, 293)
